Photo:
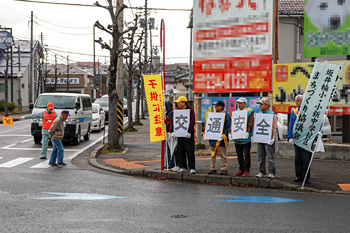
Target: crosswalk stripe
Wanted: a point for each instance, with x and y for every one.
(15, 162)
(44, 164)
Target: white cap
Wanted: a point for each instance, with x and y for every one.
(242, 100)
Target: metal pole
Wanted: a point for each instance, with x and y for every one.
(190, 93)
(30, 93)
(11, 73)
(68, 73)
(93, 30)
(20, 79)
(162, 46)
(42, 66)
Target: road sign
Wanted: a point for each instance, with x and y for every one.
(6, 40)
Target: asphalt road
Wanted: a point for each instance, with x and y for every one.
(84, 199)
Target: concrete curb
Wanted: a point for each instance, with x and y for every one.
(208, 179)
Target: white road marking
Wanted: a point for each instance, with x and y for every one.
(16, 135)
(15, 162)
(6, 147)
(85, 148)
(44, 164)
(27, 140)
(33, 149)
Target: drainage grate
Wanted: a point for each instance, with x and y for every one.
(179, 216)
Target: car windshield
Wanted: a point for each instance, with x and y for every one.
(94, 108)
(102, 101)
(59, 102)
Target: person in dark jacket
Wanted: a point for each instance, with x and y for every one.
(186, 144)
(219, 107)
(168, 119)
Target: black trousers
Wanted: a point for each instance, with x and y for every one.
(185, 148)
(301, 162)
(243, 154)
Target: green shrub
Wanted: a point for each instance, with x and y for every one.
(2, 105)
(11, 106)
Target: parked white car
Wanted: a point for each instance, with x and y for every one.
(283, 124)
(98, 117)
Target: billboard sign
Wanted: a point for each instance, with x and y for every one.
(232, 46)
(327, 28)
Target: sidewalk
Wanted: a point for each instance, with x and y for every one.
(142, 158)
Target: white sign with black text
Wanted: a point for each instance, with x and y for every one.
(214, 125)
(239, 124)
(181, 122)
(263, 125)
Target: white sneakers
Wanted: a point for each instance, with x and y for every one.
(260, 175)
(192, 171)
(182, 170)
(175, 169)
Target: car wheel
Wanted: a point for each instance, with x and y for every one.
(76, 140)
(87, 136)
(37, 139)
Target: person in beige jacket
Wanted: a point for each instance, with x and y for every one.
(56, 133)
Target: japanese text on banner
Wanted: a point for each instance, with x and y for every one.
(181, 122)
(214, 126)
(239, 124)
(155, 103)
(263, 126)
(314, 105)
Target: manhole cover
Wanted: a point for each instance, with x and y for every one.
(179, 216)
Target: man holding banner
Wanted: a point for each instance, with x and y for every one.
(308, 124)
(186, 145)
(268, 148)
(243, 145)
(302, 157)
(221, 144)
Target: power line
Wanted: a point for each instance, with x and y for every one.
(73, 34)
(88, 5)
(62, 25)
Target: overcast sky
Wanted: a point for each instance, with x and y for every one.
(69, 28)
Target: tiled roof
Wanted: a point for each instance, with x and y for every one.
(291, 7)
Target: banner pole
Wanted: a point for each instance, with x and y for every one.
(327, 111)
(162, 47)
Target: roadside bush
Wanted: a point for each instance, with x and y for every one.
(2, 105)
(12, 106)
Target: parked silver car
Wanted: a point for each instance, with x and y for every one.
(283, 124)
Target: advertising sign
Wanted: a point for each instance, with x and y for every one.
(232, 45)
(327, 28)
(214, 126)
(314, 105)
(291, 79)
(155, 103)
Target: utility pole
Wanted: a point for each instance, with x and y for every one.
(67, 74)
(20, 78)
(30, 97)
(93, 30)
(145, 64)
(55, 86)
(42, 66)
(11, 62)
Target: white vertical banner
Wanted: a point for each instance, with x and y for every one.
(214, 126)
(181, 122)
(239, 124)
(263, 125)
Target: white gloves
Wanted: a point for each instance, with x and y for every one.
(172, 135)
(320, 134)
(220, 139)
(272, 141)
(188, 135)
(291, 141)
(23, 117)
(246, 135)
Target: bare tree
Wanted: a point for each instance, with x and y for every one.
(131, 65)
(116, 51)
(138, 88)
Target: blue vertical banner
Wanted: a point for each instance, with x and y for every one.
(314, 105)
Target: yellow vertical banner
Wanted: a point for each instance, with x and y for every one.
(7, 120)
(155, 103)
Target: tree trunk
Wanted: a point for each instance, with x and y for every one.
(138, 94)
(113, 133)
